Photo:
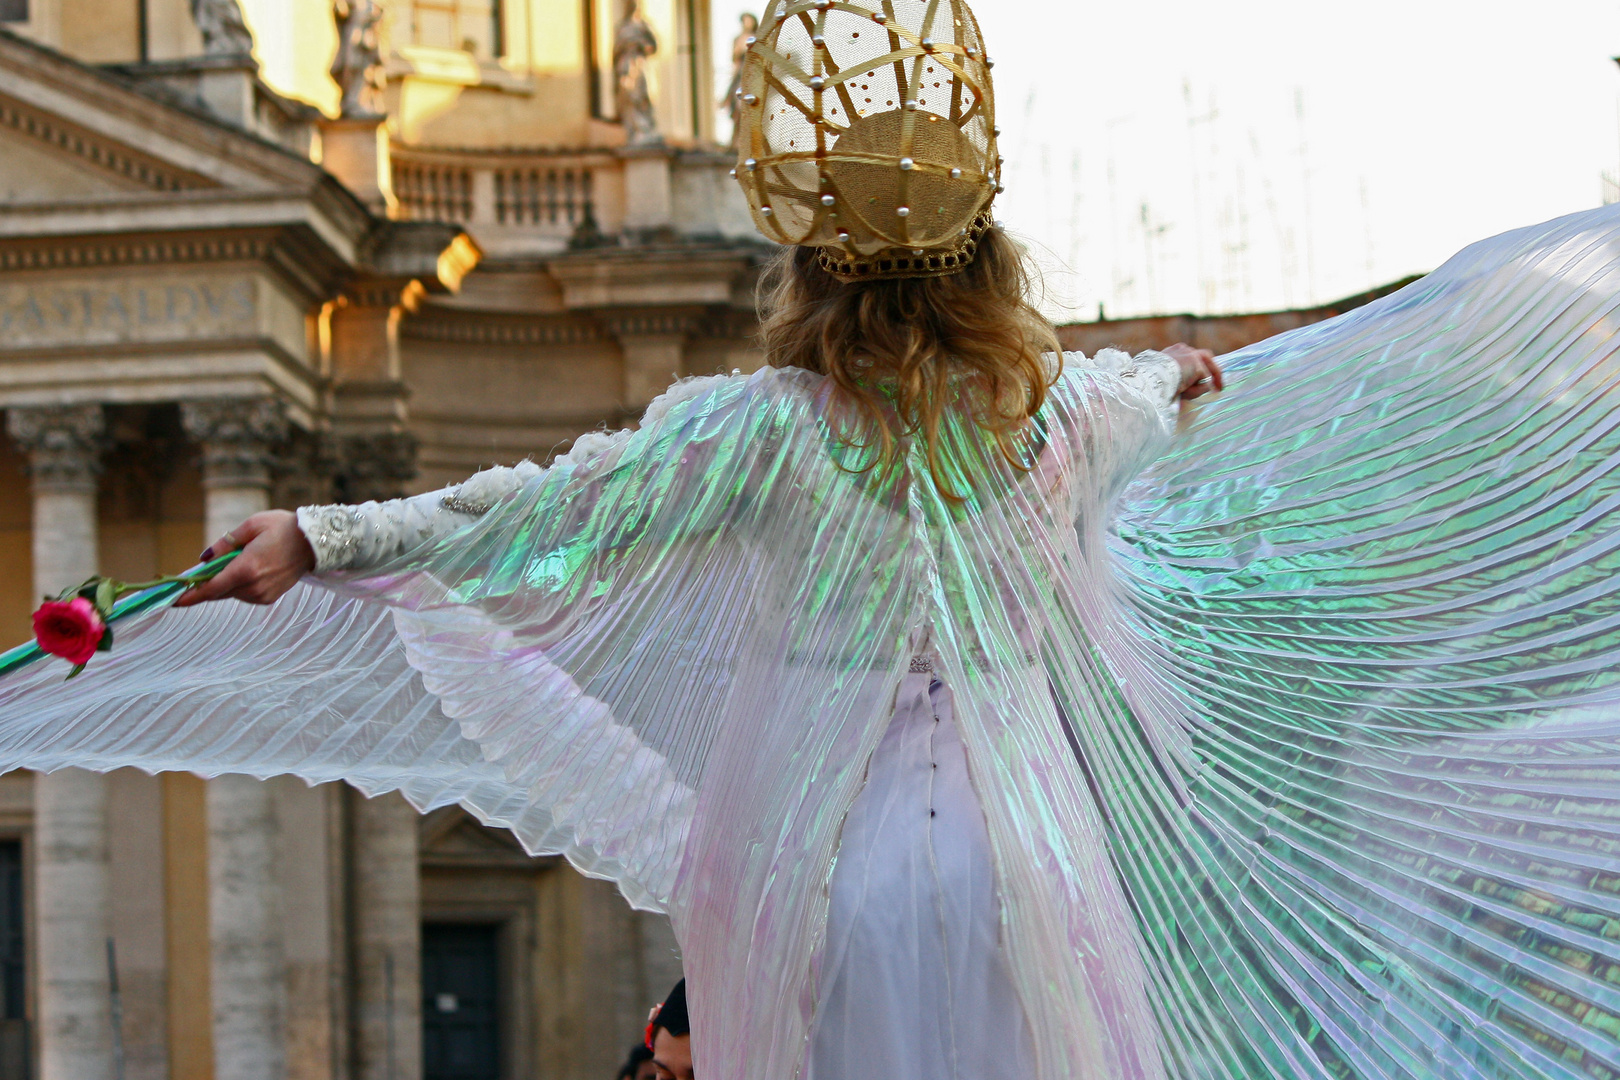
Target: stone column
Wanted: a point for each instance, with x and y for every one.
(70, 807)
(387, 939)
(654, 348)
(248, 984)
(238, 439)
(372, 453)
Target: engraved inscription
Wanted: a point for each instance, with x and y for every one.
(103, 312)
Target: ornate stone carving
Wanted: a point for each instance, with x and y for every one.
(374, 466)
(239, 437)
(63, 444)
(357, 66)
(224, 32)
(633, 46)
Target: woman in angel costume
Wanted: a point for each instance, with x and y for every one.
(966, 723)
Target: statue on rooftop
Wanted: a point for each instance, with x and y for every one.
(224, 32)
(357, 66)
(633, 46)
(732, 102)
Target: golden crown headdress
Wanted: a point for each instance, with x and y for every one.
(867, 129)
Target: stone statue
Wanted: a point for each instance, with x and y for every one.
(634, 45)
(739, 50)
(223, 31)
(357, 66)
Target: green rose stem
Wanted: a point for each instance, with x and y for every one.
(146, 596)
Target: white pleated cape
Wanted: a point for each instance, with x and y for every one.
(1308, 768)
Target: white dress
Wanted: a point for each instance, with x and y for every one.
(913, 981)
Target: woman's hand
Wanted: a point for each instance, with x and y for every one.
(275, 554)
(1200, 374)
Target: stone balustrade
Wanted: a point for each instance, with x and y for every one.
(523, 203)
(508, 200)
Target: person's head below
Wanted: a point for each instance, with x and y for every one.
(638, 1065)
(669, 1037)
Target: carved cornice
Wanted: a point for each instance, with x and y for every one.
(76, 252)
(489, 331)
(374, 293)
(730, 324)
(116, 160)
(654, 322)
(239, 437)
(725, 324)
(297, 257)
(63, 444)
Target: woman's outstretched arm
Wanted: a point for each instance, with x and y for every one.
(278, 546)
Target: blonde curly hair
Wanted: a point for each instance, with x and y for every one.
(902, 352)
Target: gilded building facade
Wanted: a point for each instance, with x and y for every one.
(268, 252)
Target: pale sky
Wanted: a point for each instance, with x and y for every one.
(1244, 155)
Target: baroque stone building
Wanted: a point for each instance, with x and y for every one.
(280, 251)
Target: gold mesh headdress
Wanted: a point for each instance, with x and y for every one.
(867, 129)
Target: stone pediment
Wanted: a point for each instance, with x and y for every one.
(32, 171)
(70, 132)
(452, 837)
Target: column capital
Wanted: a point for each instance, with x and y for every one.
(238, 436)
(374, 465)
(63, 444)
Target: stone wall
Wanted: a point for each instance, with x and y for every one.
(1221, 333)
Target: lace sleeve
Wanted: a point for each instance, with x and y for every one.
(1121, 412)
(1153, 374)
(357, 537)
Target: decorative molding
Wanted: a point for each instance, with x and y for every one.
(588, 155)
(63, 443)
(653, 323)
(303, 263)
(112, 251)
(239, 437)
(115, 160)
(371, 293)
(730, 324)
(492, 332)
(724, 324)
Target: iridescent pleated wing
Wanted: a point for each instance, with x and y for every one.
(1379, 578)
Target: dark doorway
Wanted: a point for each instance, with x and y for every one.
(13, 977)
(460, 992)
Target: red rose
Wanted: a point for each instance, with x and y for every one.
(71, 629)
